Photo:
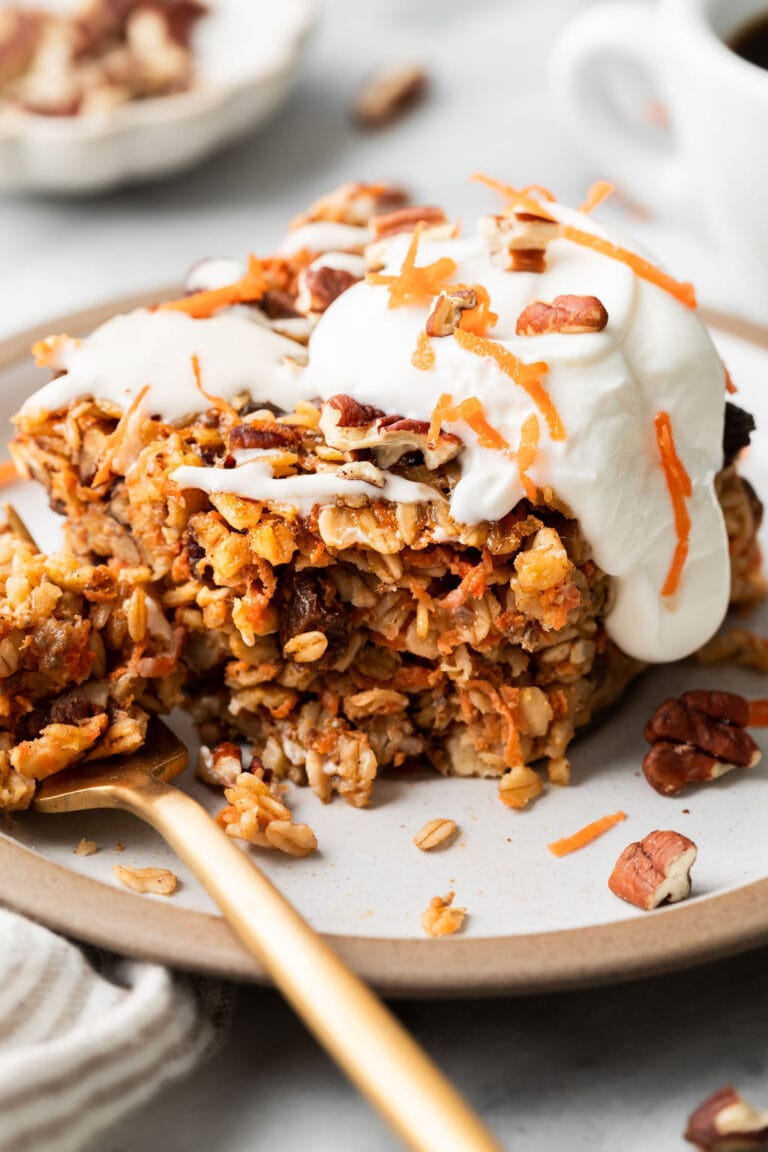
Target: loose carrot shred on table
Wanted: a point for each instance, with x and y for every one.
(217, 402)
(758, 713)
(480, 318)
(600, 190)
(201, 305)
(414, 285)
(585, 835)
(680, 490)
(528, 376)
(8, 473)
(526, 454)
(424, 355)
(643, 268)
(519, 199)
(730, 387)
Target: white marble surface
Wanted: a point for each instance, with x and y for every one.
(603, 1071)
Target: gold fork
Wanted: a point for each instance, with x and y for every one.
(358, 1031)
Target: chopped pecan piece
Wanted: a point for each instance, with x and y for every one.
(388, 94)
(696, 738)
(445, 317)
(654, 869)
(352, 414)
(319, 287)
(352, 203)
(263, 434)
(518, 243)
(390, 437)
(566, 314)
(725, 1122)
(405, 220)
(19, 36)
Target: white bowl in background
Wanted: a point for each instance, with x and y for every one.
(247, 52)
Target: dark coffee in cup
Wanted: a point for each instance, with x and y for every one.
(751, 41)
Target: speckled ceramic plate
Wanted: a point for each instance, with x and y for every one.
(535, 922)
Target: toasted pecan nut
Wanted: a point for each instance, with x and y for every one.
(445, 317)
(566, 314)
(654, 869)
(518, 242)
(263, 434)
(697, 738)
(19, 35)
(725, 1122)
(388, 94)
(352, 203)
(405, 220)
(351, 413)
(319, 287)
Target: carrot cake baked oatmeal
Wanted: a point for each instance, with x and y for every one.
(393, 493)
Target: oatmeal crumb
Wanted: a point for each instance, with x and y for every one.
(158, 881)
(441, 919)
(435, 833)
(86, 848)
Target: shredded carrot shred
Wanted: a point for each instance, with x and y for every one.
(518, 199)
(600, 190)
(471, 411)
(643, 268)
(680, 490)
(414, 285)
(730, 387)
(528, 376)
(218, 402)
(480, 318)
(758, 713)
(424, 356)
(8, 473)
(526, 454)
(585, 835)
(46, 351)
(201, 305)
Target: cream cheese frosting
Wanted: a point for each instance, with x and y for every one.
(654, 355)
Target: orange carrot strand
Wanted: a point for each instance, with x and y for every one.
(600, 190)
(480, 318)
(526, 454)
(201, 305)
(518, 199)
(730, 387)
(643, 268)
(585, 835)
(218, 402)
(758, 713)
(424, 355)
(528, 376)
(8, 473)
(680, 490)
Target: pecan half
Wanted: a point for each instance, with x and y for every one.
(566, 314)
(697, 738)
(388, 94)
(654, 869)
(725, 1122)
(263, 434)
(405, 220)
(518, 243)
(445, 317)
(351, 413)
(319, 287)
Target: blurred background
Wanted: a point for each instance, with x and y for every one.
(487, 105)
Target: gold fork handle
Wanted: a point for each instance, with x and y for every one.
(359, 1032)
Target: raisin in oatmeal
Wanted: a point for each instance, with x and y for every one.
(392, 494)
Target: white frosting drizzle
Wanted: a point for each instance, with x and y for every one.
(654, 354)
(325, 236)
(214, 272)
(237, 352)
(255, 481)
(344, 261)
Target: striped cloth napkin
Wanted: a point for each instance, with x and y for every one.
(83, 1041)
